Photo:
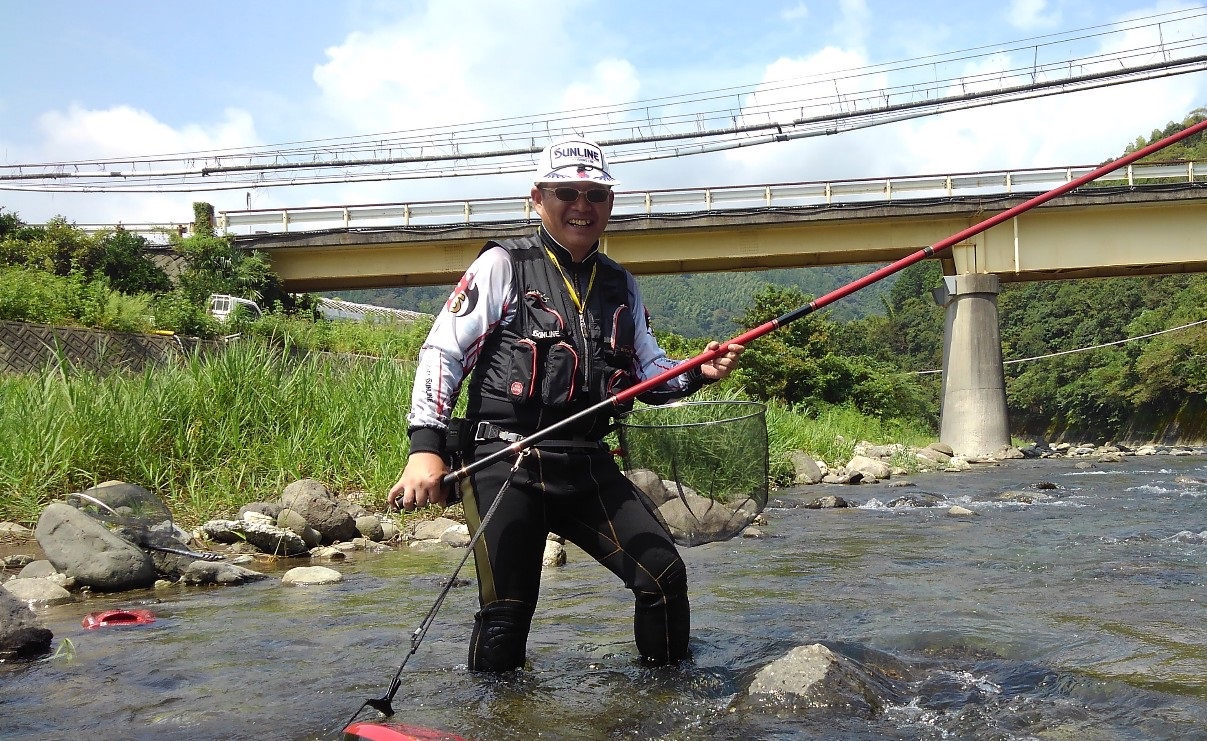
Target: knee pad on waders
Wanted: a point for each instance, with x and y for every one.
(500, 636)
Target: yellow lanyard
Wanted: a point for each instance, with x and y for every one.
(578, 303)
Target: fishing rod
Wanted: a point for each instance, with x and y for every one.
(818, 303)
(377, 732)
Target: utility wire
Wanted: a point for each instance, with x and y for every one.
(1083, 349)
(657, 128)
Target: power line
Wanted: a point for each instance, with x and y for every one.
(1084, 349)
(672, 126)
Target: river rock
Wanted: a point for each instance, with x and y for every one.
(389, 531)
(218, 572)
(456, 536)
(295, 522)
(813, 676)
(1024, 497)
(269, 509)
(805, 468)
(933, 457)
(650, 485)
(842, 476)
(828, 502)
(265, 538)
(38, 591)
(554, 555)
(21, 637)
(321, 509)
(327, 553)
(40, 569)
(872, 450)
(871, 468)
(433, 529)
(14, 531)
(311, 576)
(693, 519)
(369, 525)
(253, 516)
(130, 500)
(85, 550)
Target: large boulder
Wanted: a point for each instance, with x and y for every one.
(692, 519)
(805, 468)
(813, 676)
(85, 550)
(321, 509)
(20, 635)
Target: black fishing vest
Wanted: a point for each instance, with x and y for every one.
(551, 361)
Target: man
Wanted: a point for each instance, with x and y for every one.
(543, 327)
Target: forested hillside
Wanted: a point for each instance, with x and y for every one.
(689, 305)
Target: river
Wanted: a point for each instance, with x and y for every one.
(1079, 617)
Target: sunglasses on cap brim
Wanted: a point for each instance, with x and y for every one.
(570, 195)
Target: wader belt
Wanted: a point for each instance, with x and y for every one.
(486, 432)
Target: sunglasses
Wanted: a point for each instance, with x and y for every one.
(570, 195)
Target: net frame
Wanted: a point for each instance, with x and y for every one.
(700, 466)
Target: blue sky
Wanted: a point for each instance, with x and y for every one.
(88, 80)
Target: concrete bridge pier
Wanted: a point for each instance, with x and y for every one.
(973, 418)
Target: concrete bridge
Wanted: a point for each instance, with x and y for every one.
(1145, 219)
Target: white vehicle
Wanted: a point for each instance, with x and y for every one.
(223, 306)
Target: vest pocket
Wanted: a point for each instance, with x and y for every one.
(613, 381)
(559, 383)
(620, 335)
(522, 378)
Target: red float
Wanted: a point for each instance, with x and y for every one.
(109, 618)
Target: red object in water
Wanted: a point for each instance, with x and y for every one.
(396, 732)
(118, 617)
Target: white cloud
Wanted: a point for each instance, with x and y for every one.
(1029, 15)
(854, 24)
(444, 65)
(79, 133)
(797, 12)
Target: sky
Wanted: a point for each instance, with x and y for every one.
(87, 80)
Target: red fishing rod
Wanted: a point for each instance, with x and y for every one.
(387, 732)
(829, 298)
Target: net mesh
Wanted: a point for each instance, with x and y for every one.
(701, 465)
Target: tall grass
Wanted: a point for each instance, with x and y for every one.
(208, 436)
(220, 430)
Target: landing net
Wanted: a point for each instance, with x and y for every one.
(700, 465)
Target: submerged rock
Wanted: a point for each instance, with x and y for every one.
(814, 676)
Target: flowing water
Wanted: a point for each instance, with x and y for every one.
(1080, 617)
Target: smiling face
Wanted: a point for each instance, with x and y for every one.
(576, 226)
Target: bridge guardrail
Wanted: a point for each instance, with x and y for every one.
(654, 202)
(681, 200)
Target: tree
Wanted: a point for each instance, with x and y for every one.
(125, 264)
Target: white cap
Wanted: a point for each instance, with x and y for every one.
(573, 160)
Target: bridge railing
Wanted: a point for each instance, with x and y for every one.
(698, 200)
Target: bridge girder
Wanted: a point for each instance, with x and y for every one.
(1096, 232)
